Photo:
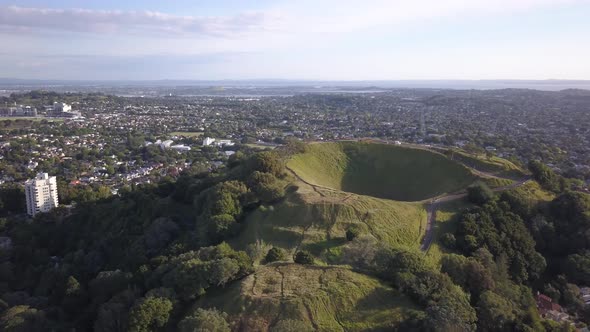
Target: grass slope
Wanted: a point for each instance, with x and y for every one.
(494, 165)
(380, 170)
(318, 224)
(532, 191)
(324, 298)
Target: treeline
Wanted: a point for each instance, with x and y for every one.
(537, 246)
(504, 250)
(136, 261)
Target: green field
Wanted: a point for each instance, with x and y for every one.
(381, 170)
(323, 298)
(18, 122)
(260, 146)
(187, 133)
(319, 224)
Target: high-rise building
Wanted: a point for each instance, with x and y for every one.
(61, 107)
(41, 194)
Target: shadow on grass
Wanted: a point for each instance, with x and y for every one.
(318, 248)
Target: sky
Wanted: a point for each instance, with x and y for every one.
(298, 39)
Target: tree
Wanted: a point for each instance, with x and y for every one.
(74, 296)
(108, 283)
(22, 318)
(495, 312)
(269, 162)
(545, 176)
(220, 227)
(113, 316)
(479, 193)
(577, 267)
(275, 254)
(448, 240)
(205, 320)
(222, 271)
(451, 313)
(304, 257)
(149, 313)
(12, 198)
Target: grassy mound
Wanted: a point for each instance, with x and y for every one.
(318, 224)
(380, 170)
(494, 165)
(319, 298)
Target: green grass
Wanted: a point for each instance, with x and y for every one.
(533, 191)
(19, 122)
(447, 218)
(497, 182)
(260, 146)
(494, 165)
(324, 298)
(381, 170)
(319, 224)
(187, 133)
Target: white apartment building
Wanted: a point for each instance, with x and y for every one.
(208, 141)
(218, 142)
(41, 194)
(62, 107)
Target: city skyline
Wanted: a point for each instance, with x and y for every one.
(375, 40)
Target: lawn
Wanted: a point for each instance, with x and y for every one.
(29, 119)
(18, 122)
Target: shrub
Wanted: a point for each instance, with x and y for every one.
(448, 240)
(304, 257)
(352, 233)
(275, 254)
(479, 193)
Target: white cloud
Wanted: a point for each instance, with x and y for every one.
(304, 38)
(134, 22)
(289, 17)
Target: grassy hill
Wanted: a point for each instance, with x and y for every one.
(318, 221)
(320, 298)
(380, 170)
(494, 165)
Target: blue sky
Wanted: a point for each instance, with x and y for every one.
(304, 39)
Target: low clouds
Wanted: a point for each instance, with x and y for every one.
(286, 18)
(339, 39)
(129, 22)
